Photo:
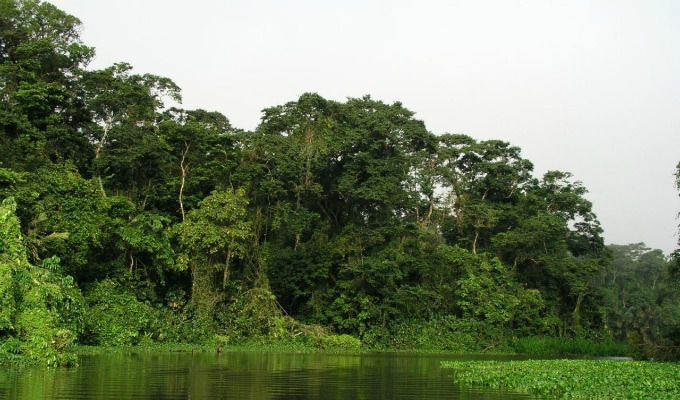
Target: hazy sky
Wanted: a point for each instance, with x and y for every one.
(591, 87)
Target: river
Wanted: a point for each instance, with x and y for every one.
(246, 375)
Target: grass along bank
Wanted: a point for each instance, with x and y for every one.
(325, 342)
(553, 347)
(273, 347)
(574, 379)
(263, 347)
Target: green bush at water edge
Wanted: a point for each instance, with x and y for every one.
(446, 333)
(544, 346)
(41, 311)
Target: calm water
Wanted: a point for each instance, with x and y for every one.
(246, 375)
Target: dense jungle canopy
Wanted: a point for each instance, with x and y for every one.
(127, 219)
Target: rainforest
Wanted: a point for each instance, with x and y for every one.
(126, 220)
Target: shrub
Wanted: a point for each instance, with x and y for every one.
(339, 342)
(252, 313)
(254, 316)
(439, 333)
(116, 318)
(42, 310)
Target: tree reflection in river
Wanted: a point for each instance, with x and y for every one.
(245, 375)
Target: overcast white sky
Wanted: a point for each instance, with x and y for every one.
(590, 87)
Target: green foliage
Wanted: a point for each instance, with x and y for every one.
(42, 59)
(63, 215)
(253, 313)
(545, 346)
(346, 342)
(42, 310)
(641, 302)
(12, 258)
(217, 228)
(489, 293)
(116, 318)
(146, 239)
(254, 316)
(573, 379)
(439, 333)
(210, 238)
(345, 217)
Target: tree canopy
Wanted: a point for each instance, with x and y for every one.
(349, 215)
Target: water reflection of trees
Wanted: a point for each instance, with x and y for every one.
(248, 375)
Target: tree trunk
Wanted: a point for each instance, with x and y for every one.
(97, 153)
(132, 263)
(309, 138)
(225, 277)
(474, 243)
(576, 314)
(429, 212)
(183, 169)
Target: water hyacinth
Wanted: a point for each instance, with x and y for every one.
(574, 379)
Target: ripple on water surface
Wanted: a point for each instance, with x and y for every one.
(247, 375)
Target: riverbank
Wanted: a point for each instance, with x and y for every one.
(530, 347)
(574, 379)
(269, 348)
(208, 348)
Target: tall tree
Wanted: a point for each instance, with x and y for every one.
(41, 67)
(201, 153)
(130, 154)
(211, 237)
